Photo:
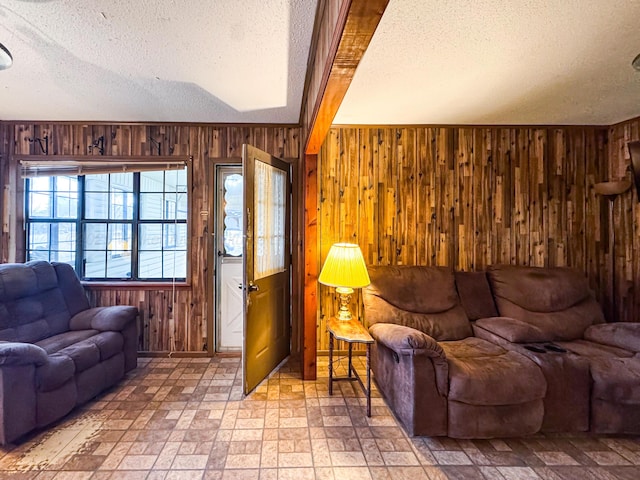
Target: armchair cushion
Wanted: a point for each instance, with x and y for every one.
(481, 373)
(16, 353)
(513, 330)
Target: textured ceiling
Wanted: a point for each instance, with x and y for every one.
(155, 60)
(499, 62)
(430, 62)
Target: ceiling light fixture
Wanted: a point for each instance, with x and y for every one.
(6, 60)
(636, 63)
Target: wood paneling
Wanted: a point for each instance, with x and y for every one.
(626, 224)
(471, 197)
(170, 319)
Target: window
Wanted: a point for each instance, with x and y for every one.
(110, 226)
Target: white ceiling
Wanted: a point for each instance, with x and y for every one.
(225, 61)
(155, 60)
(499, 62)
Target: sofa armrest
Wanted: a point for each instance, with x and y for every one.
(513, 330)
(18, 353)
(624, 335)
(406, 340)
(114, 318)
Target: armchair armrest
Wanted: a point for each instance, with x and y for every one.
(513, 329)
(18, 353)
(114, 318)
(407, 341)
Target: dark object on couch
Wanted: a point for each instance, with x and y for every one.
(437, 378)
(55, 351)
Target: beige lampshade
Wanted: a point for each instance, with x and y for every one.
(344, 267)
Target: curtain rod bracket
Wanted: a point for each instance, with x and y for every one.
(156, 144)
(99, 144)
(44, 148)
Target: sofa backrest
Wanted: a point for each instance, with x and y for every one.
(475, 295)
(556, 300)
(424, 298)
(37, 300)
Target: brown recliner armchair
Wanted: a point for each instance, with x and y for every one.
(437, 378)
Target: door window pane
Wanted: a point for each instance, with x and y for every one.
(232, 235)
(269, 220)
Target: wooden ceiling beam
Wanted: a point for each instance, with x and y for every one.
(344, 29)
(362, 19)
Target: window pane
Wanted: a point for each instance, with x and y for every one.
(233, 215)
(150, 265)
(63, 237)
(151, 206)
(119, 265)
(151, 181)
(175, 264)
(150, 237)
(175, 236)
(64, 257)
(121, 205)
(96, 183)
(96, 205)
(38, 242)
(66, 197)
(119, 239)
(269, 224)
(40, 205)
(40, 184)
(95, 236)
(95, 263)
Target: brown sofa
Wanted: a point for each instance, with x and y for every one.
(575, 371)
(55, 351)
(437, 377)
(592, 368)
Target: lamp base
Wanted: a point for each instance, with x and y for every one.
(345, 297)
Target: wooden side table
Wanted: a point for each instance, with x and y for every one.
(350, 331)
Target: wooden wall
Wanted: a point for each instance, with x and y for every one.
(170, 320)
(627, 223)
(467, 198)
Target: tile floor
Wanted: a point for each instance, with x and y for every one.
(186, 419)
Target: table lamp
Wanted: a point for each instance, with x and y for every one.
(344, 269)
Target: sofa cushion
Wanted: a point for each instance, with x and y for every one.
(588, 349)
(616, 380)
(556, 300)
(620, 334)
(84, 354)
(492, 376)
(108, 343)
(424, 298)
(471, 347)
(63, 340)
(475, 295)
(512, 329)
(53, 374)
(32, 306)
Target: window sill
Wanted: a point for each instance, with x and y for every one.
(127, 285)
